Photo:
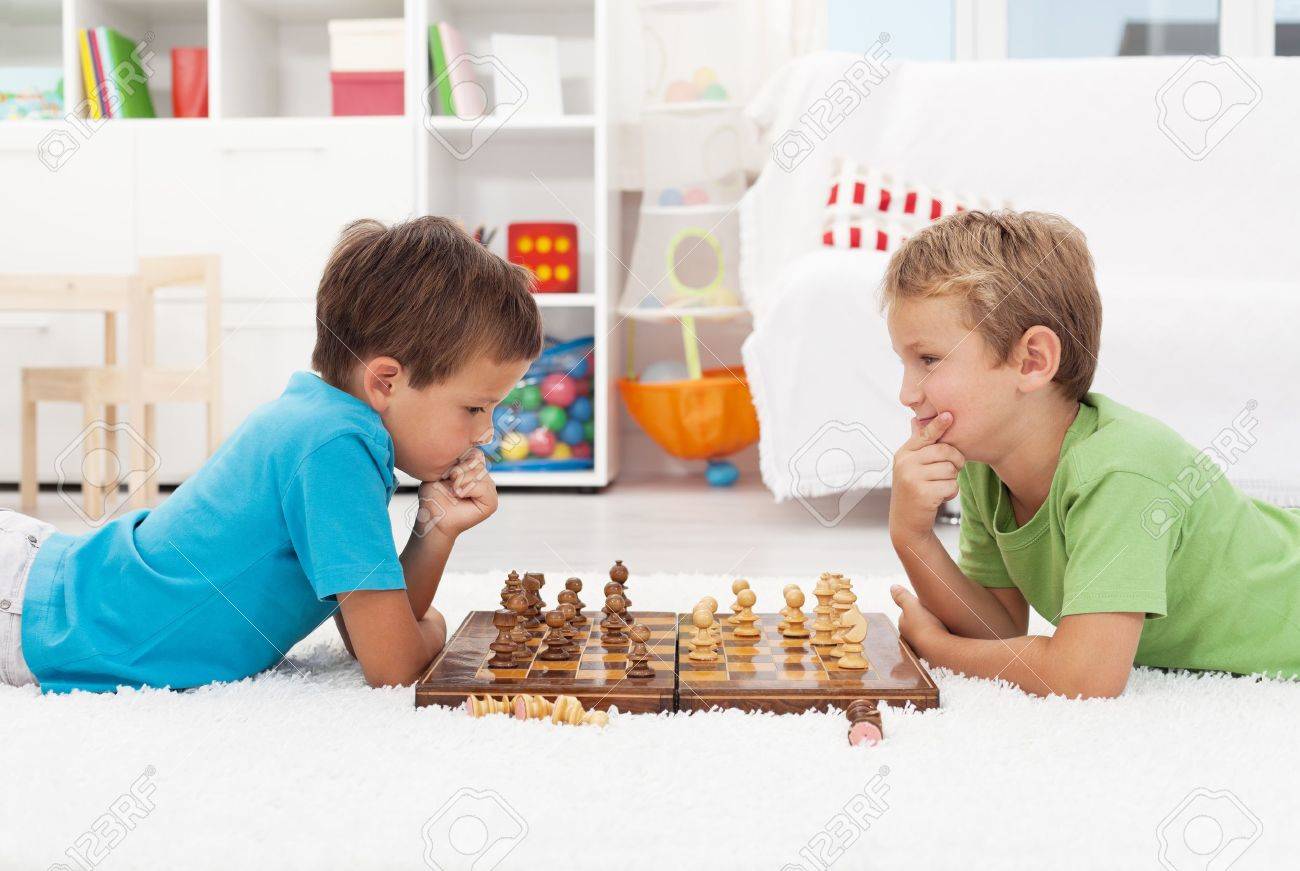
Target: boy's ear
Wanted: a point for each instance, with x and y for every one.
(380, 378)
(1038, 357)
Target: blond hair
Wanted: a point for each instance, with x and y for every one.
(1013, 271)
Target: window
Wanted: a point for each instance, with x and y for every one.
(1106, 28)
(918, 29)
(1286, 30)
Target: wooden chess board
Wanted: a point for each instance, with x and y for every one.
(597, 678)
(771, 673)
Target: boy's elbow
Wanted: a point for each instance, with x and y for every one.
(1096, 685)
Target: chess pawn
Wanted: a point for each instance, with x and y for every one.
(785, 611)
(574, 585)
(613, 625)
(823, 627)
(503, 649)
(611, 589)
(570, 634)
(702, 644)
(746, 619)
(533, 617)
(557, 646)
(639, 656)
(518, 604)
(618, 575)
(570, 598)
(736, 587)
(864, 723)
(795, 618)
(711, 604)
(531, 707)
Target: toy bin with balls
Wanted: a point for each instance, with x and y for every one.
(684, 60)
(693, 156)
(547, 423)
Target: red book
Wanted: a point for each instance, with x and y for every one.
(190, 82)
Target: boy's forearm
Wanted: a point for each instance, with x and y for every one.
(423, 560)
(965, 607)
(1032, 662)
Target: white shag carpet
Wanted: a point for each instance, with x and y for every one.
(320, 772)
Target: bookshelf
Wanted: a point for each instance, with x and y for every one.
(269, 178)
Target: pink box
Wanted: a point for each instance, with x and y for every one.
(369, 93)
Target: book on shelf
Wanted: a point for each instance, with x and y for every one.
(455, 82)
(116, 85)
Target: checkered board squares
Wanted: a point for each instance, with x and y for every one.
(771, 656)
(595, 662)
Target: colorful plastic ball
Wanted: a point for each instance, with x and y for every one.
(581, 367)
(524, 421)
(530, 398)
(714, 92)
(559, 389)
(695, 197)
(721, 473)
(514, 397)
(703, 77)
(553, 417)
(541, 442)
(582, 451)
(514, 446)
(664, 370)
(680, 92)
(589, 430)
(562, 452)
(572, 432)
(671, 197)
(580, 411)
(584, 387)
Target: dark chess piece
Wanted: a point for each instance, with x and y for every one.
(519, 635)
(574, 585)
(865, 725)
(570, 598)
(615, 623)
(618, 574)
(503, 648)
(611, 589)
(571, 634)
(533, 616)
(541, 582)
(557, 646)
(639, 656)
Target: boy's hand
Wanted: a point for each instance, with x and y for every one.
(925, 477)
(916, 624)
(463, 499)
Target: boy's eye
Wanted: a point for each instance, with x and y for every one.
(476, 409)
(928, 359)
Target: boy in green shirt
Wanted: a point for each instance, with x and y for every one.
(1116, 530)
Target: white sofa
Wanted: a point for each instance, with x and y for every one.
(1198, 260)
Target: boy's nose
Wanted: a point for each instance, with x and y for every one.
(909, 395)
(484, 438)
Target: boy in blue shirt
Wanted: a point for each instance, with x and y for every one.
(421, 333)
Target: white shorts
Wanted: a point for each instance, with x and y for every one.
(20, 539)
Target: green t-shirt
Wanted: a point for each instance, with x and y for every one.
(1139, 520)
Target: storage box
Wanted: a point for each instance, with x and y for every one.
(368, 93)
(362, 45)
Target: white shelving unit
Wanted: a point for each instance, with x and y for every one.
(269, 179)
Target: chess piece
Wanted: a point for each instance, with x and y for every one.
(557, 646)
(795, 617)
(481, 707)
(746, 619)
(506, 592)
(823, 628)
(518, 604)
(570, 634)
(702, 644)
(574, 585)
(639, 656)
(614, 624)
(541, 582)
(715, 627)
(570, 598)
(611, 589)
(531, 707)
(841, 602)
(785, 610)
(736, 587)
(864, 723)
(503, 649)
(532, 588)
(618, 574)
(855, 632)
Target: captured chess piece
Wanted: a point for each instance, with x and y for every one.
(639, 656)
(736, 587)
(746, 618)
(614, 624)
(557, 646)
(795, 617)
(518, 604)
(532, 587)
(854, 633)
(503, 649)
(864, 723)
(702, 644)
(574, 585)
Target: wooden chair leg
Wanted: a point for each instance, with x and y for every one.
(28, 487)
(151, 438)
(110, 433)
(140, 462)
(214, 424)
(93, 462)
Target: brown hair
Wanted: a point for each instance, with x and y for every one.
(1014, 270)
(425, 293)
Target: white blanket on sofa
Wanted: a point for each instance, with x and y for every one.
(1196, 260)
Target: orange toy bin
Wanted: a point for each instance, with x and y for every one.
(699, 419)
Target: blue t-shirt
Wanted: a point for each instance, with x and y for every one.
(235, 567)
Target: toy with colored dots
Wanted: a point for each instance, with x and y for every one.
(547, 249)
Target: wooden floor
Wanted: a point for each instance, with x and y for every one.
(681, 525)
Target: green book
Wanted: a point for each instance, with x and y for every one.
(438, 61)
(126, 75)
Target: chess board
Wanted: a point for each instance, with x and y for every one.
(597, 678)
(787, 675)
(771, 673)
